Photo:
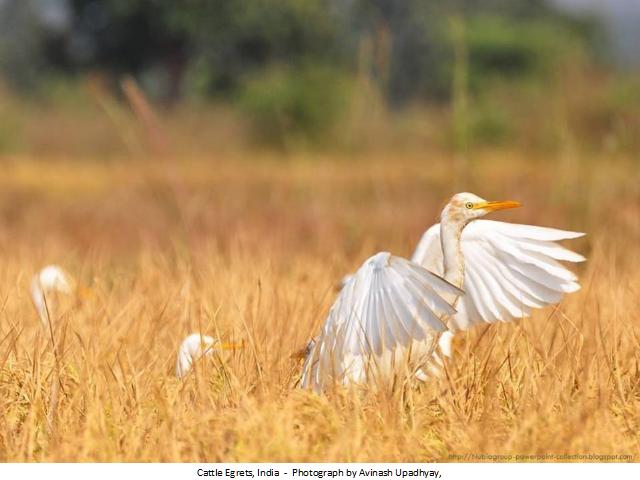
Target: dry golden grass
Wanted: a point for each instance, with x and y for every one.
(250, 249)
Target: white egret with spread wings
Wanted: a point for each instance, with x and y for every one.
(390, 315)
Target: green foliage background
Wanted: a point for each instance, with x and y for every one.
(294, 68)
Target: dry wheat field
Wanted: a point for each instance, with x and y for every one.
(249, 248)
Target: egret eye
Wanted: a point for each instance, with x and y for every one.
(468, 205)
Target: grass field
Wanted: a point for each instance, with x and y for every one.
(249, 248)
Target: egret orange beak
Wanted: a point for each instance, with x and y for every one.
(84, 293)
(231, 346)
(493, 206)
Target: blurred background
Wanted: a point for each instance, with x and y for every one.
(88, 78)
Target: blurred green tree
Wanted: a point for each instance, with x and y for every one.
(212, 46)
(505, 37)
(217, 42)
(287, 63)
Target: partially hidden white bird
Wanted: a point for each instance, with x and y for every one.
(392, 313)
(196, 346)
(46, 285)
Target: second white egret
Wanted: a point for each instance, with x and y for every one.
(46, 285)
(195, 347)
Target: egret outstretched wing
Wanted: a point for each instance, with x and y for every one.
(391, 306)
(508, 269)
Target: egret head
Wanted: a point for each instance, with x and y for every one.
(196, 346)
(465, 207)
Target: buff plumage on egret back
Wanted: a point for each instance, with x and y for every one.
(390, 315)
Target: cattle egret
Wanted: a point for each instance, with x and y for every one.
(391, 314)
(46, 286)
(196, 346)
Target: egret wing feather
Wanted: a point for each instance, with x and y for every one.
(389, 306)
(509, 269)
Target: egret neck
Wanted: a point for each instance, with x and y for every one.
(450, 233)
(462, 209)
